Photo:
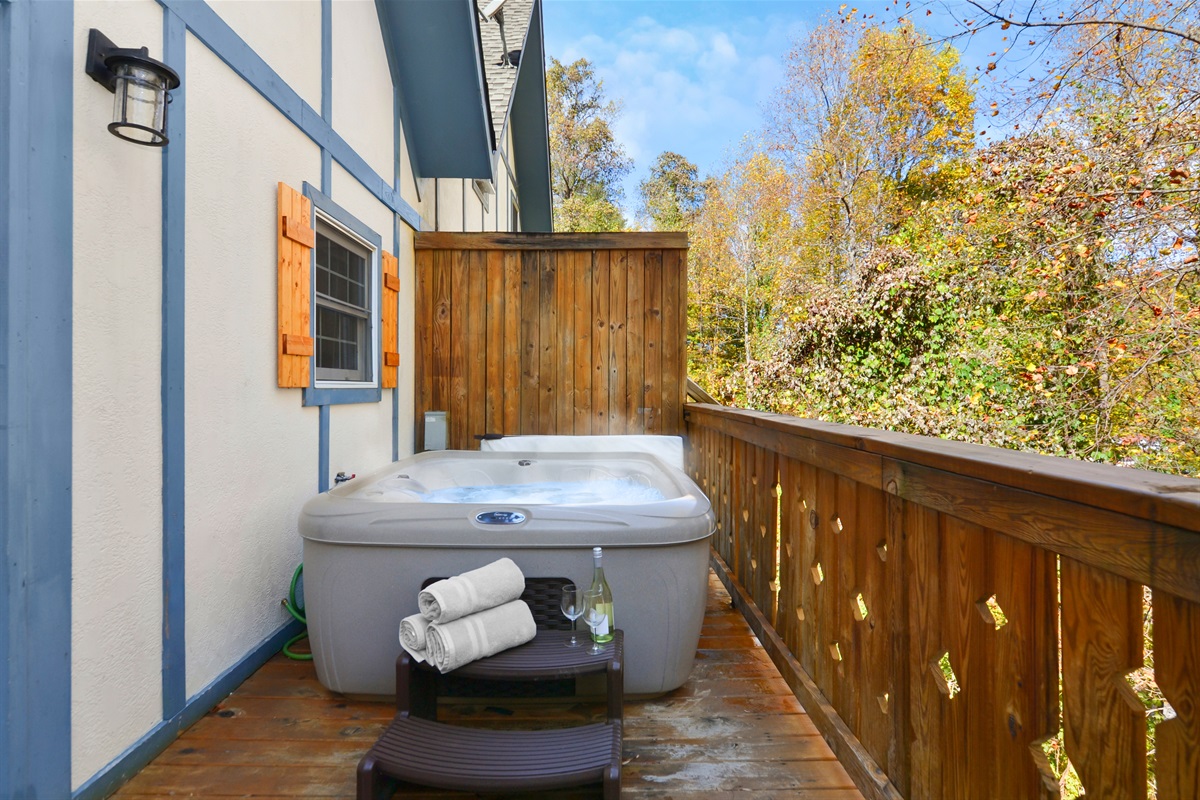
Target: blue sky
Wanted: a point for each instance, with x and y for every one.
(694, 75)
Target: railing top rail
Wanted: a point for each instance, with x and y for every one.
(635, 240)
(1168, 499)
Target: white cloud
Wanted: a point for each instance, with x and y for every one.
(690, 86)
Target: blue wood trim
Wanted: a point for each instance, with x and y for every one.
(396, 178)
(328, 396)
(323, 450)
(129, 763)
(174, 654)
(37, 76)
(216, 34)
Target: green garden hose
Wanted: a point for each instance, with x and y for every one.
(297, 611)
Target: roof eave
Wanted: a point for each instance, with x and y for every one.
(437, 66)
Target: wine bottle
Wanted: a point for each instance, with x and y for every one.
(604, 632)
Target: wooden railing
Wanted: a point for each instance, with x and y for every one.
(551, 333)
(928, 601)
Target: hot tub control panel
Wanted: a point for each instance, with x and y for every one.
(500, 518)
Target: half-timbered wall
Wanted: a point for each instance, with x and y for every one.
(551, 334)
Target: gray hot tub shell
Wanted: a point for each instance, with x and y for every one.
(369, 543)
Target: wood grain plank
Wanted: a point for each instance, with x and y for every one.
(619, 330)
(809, 558)
(602, 336)
(564, 333)
(635, 320)
(871, 635)
(458, 419)
(923, 569)
(828, 589)
(1025, 663)
(442, 332)
(531, 347)
(789, 616)
(1177, 670)
(1103, 721)
(969, 719)
(512, 349)
(652, 365)
(388, 317)
(423, 368)
(584, 328)
(293, 288)
(476, 350)
(494, 301)
(674, 340)
(843, 529)
(549, 381)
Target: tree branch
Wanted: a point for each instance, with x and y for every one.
(1116, 23)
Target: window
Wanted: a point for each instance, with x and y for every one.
(344, 272)
(345, 300)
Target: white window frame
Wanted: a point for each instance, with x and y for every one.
(374, 268)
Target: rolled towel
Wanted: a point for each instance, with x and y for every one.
(486, 587)
(449, 645)
(412, 636)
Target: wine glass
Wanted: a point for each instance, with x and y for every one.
(595, 616)
(572, 607)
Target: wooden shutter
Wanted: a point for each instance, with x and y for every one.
(390, 319)
(296, 241)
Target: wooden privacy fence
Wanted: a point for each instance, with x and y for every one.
(551, 333)
(917, 594)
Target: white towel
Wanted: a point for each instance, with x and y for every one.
(452, 644)
(486, 587)
(412, 636)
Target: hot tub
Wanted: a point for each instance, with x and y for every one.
(369, 543)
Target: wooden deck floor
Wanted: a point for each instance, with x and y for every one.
(733, 728)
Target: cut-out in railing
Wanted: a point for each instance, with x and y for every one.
(1050, 757)
(884, 700)
(818, 574)
(992, 613)
(881, 549)
(835, 651)
(943, 673)
(837, 523)
(859, 607)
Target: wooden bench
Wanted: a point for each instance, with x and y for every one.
(417, 749)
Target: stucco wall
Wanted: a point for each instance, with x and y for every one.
(362, 88)
(116, 551)
(287, 35)
(251, 447)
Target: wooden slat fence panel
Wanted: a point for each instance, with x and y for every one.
(918, 604)
(527, 334)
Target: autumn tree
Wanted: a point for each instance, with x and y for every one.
(586, 161)
(742, 257)
(672, 194)
(866, 121)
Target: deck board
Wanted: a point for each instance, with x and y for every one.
(734, 727)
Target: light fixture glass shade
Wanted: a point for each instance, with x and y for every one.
(140, 104)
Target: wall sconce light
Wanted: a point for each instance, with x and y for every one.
(140, 85)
